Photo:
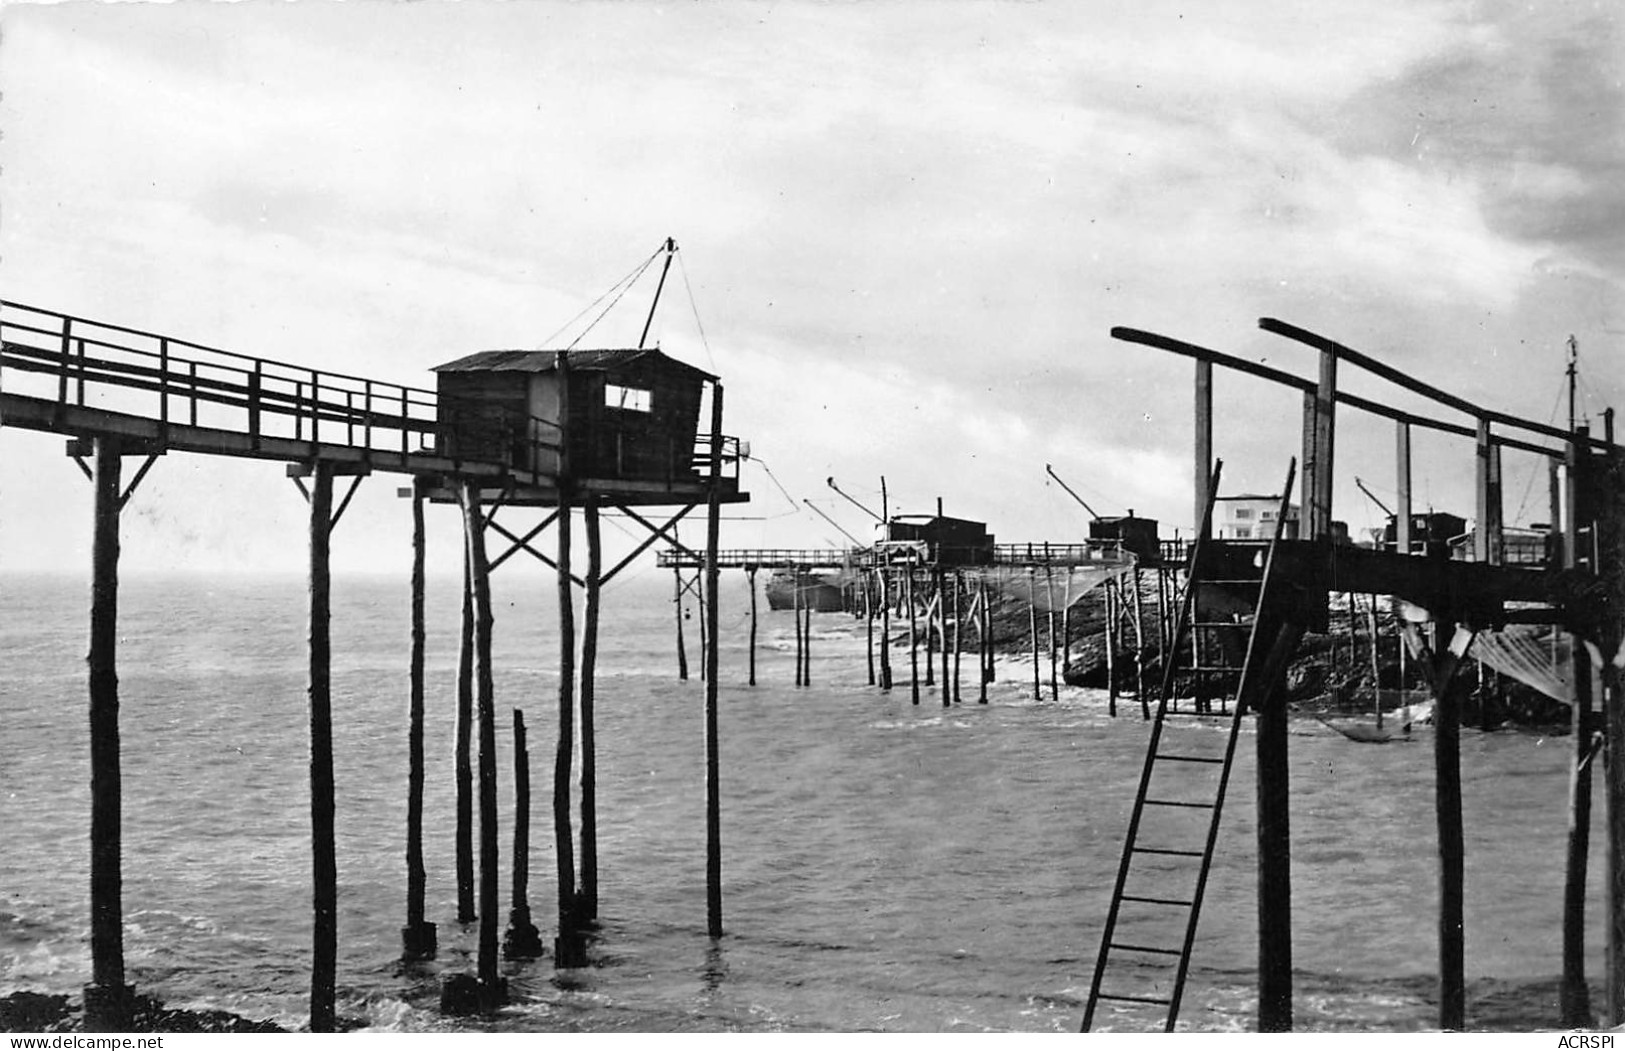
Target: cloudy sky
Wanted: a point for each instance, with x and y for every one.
(906, 230)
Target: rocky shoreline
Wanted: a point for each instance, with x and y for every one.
(30, 1012)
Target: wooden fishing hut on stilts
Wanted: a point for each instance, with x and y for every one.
(1284, 584)
(620, 430)
(602, 430)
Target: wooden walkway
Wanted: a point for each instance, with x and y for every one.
(71, 375)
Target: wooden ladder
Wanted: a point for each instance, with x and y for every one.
(1174, 825)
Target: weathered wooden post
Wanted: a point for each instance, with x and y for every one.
(587, 897)
(1203, 438)
(464, 762)
(1402, 505)
(324, 863)
(1108, 590)
(1049, 614)
(521, 941)
(795, 612)
(868, 626)
(885, 628)
(713, 758)
(985, 642)
(1574, 993)
(806, 644)
(913, 638)
(750, 654)
(677, 604)
(108, 1001)
(418, 936)
(1032, 628)
(1447, 801)
(942, 634)
(492, 987)
(569, 947)
(959, 625)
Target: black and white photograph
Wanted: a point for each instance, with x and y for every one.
(979, 517)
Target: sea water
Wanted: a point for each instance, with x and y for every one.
(886, 866)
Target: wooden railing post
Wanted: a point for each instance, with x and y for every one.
(163, 381)
(255, 379)
(67, 349)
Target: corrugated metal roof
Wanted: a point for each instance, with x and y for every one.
(547, 361)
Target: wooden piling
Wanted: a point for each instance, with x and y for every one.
(1137, 621)
(1032, 628)
(587, 895)
(885, 628)
(1266, 695)
(806, 643)
(750, 654)
(1107, 591)
(985, 644)
(492, 990)
(959, 627)
(464, 745)
(418, 936)
(705, 643)
(569, 948)
(913, 639)
(713, 759)
(868, 626)
(324, 863)
(930, 624)
(942, 635)
(1049, 602)
(521, 941)
(108, 999)
(1442, 666)
(1574, 994)
(795, 612)
(677, 604)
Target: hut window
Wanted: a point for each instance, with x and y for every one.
(617, 397)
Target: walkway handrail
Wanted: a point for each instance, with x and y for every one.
(304, 398)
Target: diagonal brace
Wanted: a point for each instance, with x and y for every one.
(660, 531)
(523, 542)
(654, 534)
(129, 490)
(518, 543)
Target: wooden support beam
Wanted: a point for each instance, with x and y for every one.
(713, 752)
(587, 896)
(1204, 438)
(523, 543)
(324, 863)
(655, 533)
(569, 948)
(868, 628)
(884, 576)
(467, 911)
(959, 626)
(1402, 484)
(493, 991)
(108, 1001)
(913, 637)
(418, 937)
(1264, 692)
(677, 604)
(521, 941)
(1574, 994)
(750, 653)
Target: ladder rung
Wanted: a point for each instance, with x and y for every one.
(1156, 901)
(1143, 948)
(1168, 851)
(1188, 758)
(1178, 802)
(1134, 999)
(1214, 667)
